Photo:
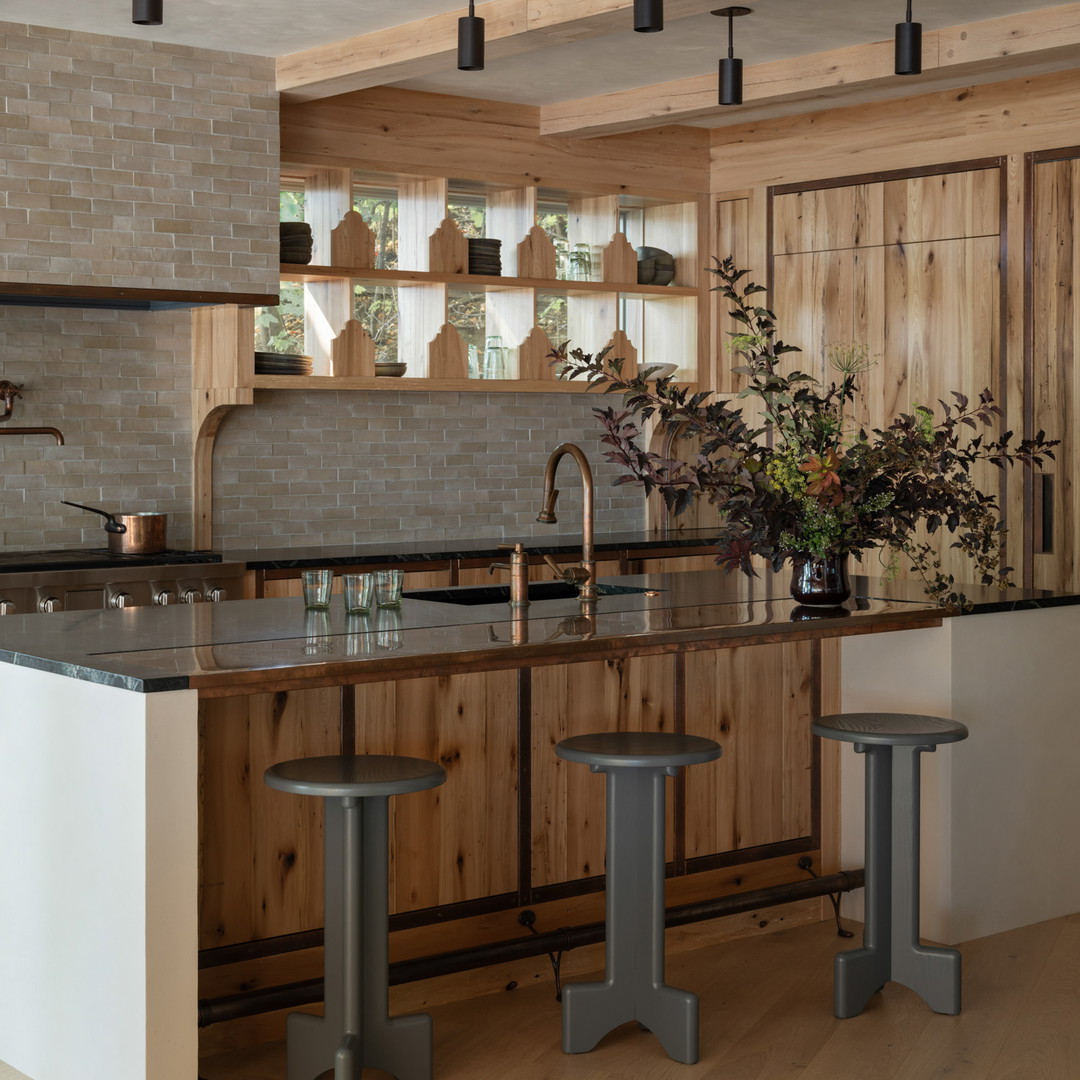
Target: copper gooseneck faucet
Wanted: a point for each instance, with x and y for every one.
(8, 393)
(584, 574)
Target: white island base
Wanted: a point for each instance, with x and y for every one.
(99, 830)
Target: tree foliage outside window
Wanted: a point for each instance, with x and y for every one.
(281, 328)
(376, 306)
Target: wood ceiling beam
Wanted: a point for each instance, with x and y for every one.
(429, 45)
(1032, 43)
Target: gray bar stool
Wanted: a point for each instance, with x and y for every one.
(892, 743)
(636, 764)
(355, 1030)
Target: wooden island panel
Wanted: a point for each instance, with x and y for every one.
(457, 842)
(514, 826)
(260, 851)
(757, 702)
(568, 820)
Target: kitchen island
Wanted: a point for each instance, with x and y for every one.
(135, 823)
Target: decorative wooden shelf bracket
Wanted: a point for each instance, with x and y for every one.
(352, 352)
(536, 255)
(619, 261)
(534, 361)
(448, 356)
(223, 367)
(622, 348)
(448, 249)
(352, 243)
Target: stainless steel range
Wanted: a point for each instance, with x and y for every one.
(82, 580)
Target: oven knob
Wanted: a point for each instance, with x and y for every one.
(121, 600)
(7, 607)
(163, 597)
(50, 603)
(216, 594)
(190, 596)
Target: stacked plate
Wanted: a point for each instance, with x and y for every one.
(296, 242)
(485, 257)
(272, 363)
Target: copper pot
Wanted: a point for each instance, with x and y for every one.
(131, 534)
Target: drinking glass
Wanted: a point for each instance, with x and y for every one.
(388, 588)
(581, 263)
(494, 358)
(359, 593)
(317, 585)
(562, 256)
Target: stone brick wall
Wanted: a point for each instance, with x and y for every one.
(299, 469)
(294, 469)
(138, 166)
(118, 385)
(129, 164)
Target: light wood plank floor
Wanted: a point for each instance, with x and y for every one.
(766, 1014)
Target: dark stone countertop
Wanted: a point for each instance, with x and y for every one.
(417, 551)
(252, 646)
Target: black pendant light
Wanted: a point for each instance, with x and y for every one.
(730, 67)
(648, 16)
(470, 41)
(147, 12)
(908, 46)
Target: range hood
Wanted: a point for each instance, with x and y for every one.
(120, 299)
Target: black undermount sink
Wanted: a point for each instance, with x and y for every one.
(500, 594)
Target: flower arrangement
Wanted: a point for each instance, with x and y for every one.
(799, 478)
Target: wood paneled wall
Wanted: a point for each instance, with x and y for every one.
(491, 141)
(1011, 117)
(1005, 257)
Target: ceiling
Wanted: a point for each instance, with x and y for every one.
(608, 61)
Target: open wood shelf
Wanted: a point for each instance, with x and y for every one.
(305, 274)
(382, 382)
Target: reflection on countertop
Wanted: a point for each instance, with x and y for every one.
(249, 646)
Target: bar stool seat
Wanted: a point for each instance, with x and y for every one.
(891, 952)
(636, 763)
(355, 1030)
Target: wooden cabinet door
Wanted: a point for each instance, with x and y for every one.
(1055, 325)
(914, 275)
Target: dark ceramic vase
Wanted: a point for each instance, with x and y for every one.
(820, 581)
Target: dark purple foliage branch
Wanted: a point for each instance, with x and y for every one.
(798, 478)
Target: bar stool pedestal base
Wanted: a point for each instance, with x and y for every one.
(892, 745)
(892, 952)
(636, 764)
